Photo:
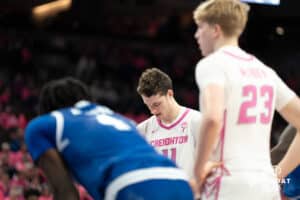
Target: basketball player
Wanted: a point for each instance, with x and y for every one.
(238, 96)
(172, 129)
(101, 150)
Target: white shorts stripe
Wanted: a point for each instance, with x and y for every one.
(142, 175)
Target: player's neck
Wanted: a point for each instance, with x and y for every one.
(173, 113)
(222, 42)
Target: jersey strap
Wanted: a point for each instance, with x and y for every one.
(176, 122)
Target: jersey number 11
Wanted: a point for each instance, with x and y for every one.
(170, 153)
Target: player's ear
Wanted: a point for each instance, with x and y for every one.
(217, 30)
(170, 93)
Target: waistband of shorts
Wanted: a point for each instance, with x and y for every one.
(293, 197)
(135, 176)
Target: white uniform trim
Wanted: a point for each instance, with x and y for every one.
(142, 175)
(60, 143)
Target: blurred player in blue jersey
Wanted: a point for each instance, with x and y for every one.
(290, 184)
(75, 139)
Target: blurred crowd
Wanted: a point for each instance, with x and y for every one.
(110, 63)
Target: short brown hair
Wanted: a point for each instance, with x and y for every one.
(231, 15)
(154, 81)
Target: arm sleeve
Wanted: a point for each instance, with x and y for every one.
(40, 136)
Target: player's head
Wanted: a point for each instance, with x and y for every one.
(217, 19)
(156, 90)
(62, 93)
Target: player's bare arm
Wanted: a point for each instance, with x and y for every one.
(281, 148)
(212, 102)
(291, 112)
(54, 168)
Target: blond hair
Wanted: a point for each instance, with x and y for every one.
(231, 15)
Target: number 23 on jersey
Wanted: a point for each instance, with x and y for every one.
(256, 96)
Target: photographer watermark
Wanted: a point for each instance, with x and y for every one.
(278, 171)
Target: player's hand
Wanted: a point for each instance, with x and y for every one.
(207, 171)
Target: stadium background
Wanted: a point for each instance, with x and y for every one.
(107, 44)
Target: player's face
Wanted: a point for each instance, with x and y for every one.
(205, 38)
(157, 104)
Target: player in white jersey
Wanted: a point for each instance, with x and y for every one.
(172, 129)
(238, 96)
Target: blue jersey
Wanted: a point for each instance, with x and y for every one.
(291, 187)
(97, 144)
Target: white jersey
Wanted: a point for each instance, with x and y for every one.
(177, 140)
(252, 92)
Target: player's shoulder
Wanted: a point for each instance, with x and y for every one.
(194, 111)
(194, 120)
(40, 121)
(270, 70)
(215, 59)
(206, 61)
(142, 126)
(271, 73)
(195, 115)
(39, 125)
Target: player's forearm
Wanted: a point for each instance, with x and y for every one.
(291, 160)
(277, 155)
(285, 140)
(209, 133)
